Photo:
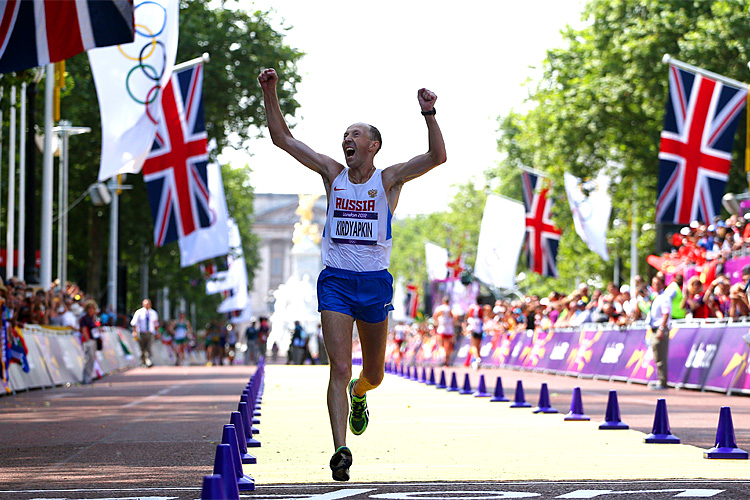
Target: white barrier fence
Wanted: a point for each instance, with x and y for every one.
(55, 356)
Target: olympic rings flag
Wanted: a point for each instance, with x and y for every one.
(129, 79)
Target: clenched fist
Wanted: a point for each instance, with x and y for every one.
(427, 99)
(268, 79)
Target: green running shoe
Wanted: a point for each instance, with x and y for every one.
(359, 416)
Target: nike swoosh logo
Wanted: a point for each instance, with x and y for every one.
(339, 189)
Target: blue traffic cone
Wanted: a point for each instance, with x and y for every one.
(454, 383)
(612, 414)
(224, 466)
(661, 433)
(414, 374)
(441, 384)
(467, 386)
(482, 389)
(520, 400)
(236, 420)
(250, 441)
(726, 446)
(544, 405)
(499, 392)
(423, 377)
(576, 408)
(245, 398)
(229, 436)
(431, 380)
(400, 371)
(213, 488)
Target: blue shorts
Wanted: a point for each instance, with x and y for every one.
(365, 296)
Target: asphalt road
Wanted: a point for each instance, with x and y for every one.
(151, 434)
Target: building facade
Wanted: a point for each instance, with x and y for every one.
(275, 216)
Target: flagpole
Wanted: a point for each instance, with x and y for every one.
(747, 139)
(22, 189)
(114, 215)
(11, 227)
(667, 59)
(192, 62)
(45, 272)
(535, 171)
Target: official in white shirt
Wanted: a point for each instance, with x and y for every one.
(145, 321)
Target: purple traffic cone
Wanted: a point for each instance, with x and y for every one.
(544, 405)
(576, 408)
(520, 400)
(224, 466)
(661, 432)
(726, 446)
(213, 488)
(414, 374)
(423, 376)
(612, 414)
(499, 392)
(250, 440)
(229, 436)
(441, 384)
(407, 373)
(250, 410)
(236, 420)
(454, 383)
(482, 389)
(467, 386)
(431, 380)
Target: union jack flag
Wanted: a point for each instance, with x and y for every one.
(38, 32)
(696, 146)
(542, 237)
(175, 171)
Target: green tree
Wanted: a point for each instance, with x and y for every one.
(240, 44)
(600, 106)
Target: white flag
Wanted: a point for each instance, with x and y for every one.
(590, 213)
(236, 272)
(212, 241)
(237, 300)
(436, 258)
(246, 316)
(501, 237)
(399, 300)
(129, 79)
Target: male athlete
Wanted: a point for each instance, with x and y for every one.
(355, 284)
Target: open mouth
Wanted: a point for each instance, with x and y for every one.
(349, 152)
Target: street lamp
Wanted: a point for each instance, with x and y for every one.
(65, 130)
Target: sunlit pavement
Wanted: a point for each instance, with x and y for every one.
(151, 434)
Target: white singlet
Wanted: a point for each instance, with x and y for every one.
(357, 234)
(444, 319)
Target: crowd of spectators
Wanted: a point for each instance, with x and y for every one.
(55, 306)
(699, 243)
(616, 306)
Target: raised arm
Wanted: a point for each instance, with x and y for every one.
(396, 175)
(282, 136)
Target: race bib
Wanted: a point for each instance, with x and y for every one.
(354, 228)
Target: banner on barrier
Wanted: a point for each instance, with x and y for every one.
(701, 355)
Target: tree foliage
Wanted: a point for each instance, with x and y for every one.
(456, 229)
(600, 106)
(240, 44)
